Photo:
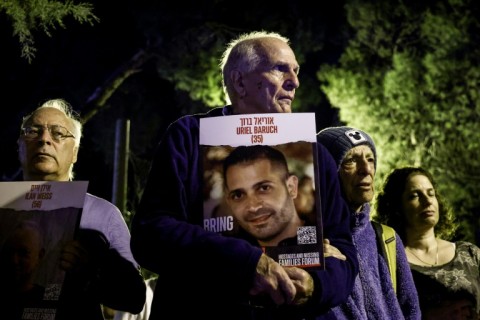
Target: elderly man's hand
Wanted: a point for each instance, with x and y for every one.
(73, 256)
(272, 279)
(303, 284)
(331, 251)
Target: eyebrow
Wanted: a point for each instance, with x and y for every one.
(34, 124)
(254, 186)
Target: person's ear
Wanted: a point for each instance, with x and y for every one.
(75, 154)
(292, 186)
(237, 80)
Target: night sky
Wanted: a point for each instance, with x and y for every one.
(74, 61)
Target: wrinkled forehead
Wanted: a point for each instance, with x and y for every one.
(358, 150)
(49, 116)
(276, 51)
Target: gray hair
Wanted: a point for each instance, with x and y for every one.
(71, 114)
(241, 53)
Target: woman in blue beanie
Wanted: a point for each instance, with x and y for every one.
(373, 295)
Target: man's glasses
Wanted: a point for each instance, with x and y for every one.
(58, 133)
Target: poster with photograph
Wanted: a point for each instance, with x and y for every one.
(260, 178)
(36, 219)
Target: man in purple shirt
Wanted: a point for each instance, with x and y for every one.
(100, 267)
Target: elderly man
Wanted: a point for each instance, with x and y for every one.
(260, 73)
(99, 264)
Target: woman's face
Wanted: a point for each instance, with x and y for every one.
(419, 203)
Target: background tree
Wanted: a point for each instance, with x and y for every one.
(29, 16)
(152, 62)
(410, 76)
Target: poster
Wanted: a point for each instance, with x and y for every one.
(260, 179)
(36, 219)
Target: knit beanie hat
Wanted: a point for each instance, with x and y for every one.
(339, 140)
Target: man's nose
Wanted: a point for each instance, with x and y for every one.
(254, 204)
(45, 136)
(292, 80)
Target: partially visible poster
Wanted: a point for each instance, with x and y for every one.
(36, 219)
(260, 174)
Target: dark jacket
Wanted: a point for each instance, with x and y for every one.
(209, 275)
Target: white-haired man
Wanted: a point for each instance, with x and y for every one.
(100, 265)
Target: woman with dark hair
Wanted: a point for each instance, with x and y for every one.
(446, 274)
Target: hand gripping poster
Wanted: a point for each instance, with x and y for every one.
(260, 177)
(37, 218)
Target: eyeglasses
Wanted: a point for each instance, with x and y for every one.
(58, 133)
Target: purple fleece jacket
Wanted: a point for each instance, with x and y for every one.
(208, 275)
(373, 297)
